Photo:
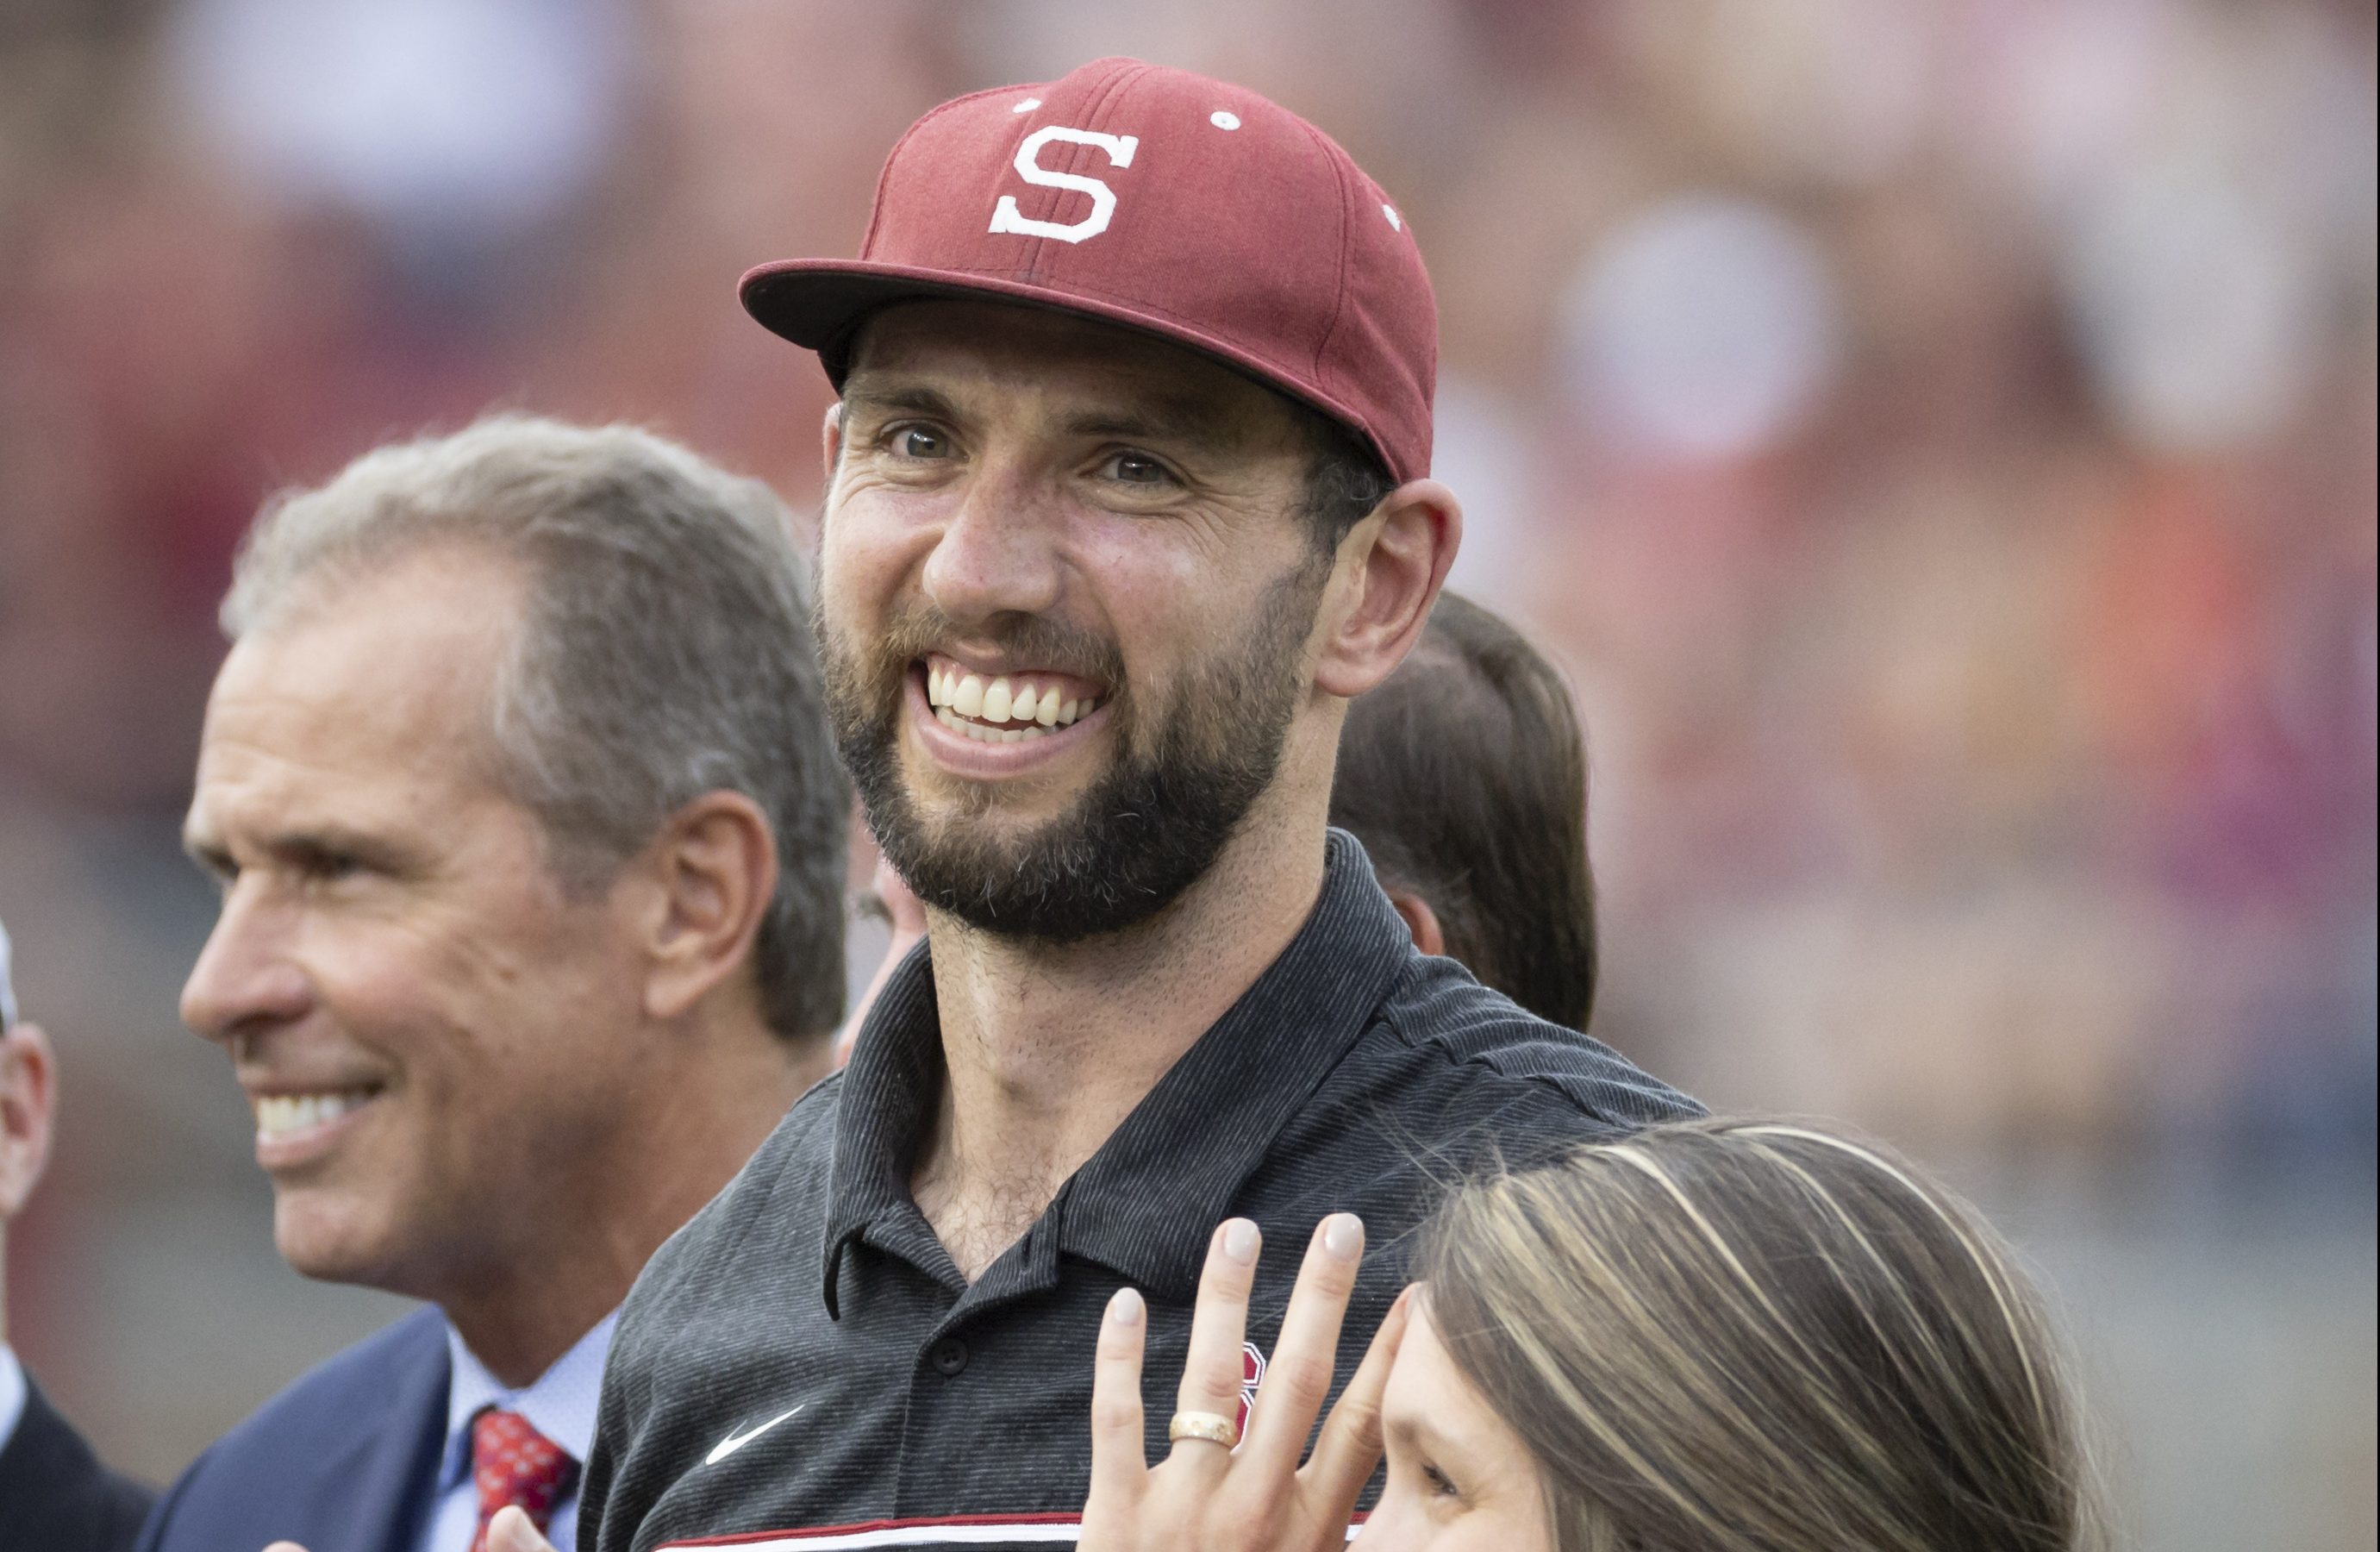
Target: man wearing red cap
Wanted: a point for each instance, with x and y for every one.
(1128, 494)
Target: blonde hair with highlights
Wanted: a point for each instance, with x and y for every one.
(1736, 1335)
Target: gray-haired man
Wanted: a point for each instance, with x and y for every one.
(531, 834)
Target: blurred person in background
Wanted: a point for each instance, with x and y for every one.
(55, 1494)
(524, 806)
(1734, 1336)
(1464, 776)
(892, 901)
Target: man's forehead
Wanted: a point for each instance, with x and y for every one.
(1013, 349)
(374, 683)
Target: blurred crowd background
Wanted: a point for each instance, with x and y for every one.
(1937, 435)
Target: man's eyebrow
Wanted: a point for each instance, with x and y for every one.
(1166, 420)
(897, 399)
(1178, 418)
(304, 847)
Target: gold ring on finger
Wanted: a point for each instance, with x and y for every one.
(1209, 1428)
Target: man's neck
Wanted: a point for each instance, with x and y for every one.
(1048, 1047)
(698, 1125)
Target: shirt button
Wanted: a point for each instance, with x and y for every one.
(948, 1357)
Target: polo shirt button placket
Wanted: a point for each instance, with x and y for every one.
(948, 1356)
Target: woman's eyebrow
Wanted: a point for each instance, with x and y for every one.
(1415, 1432)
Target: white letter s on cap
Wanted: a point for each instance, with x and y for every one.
(1006, 218)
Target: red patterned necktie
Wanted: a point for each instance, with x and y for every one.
(513, 1463)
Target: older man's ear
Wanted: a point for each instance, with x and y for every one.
(711, 873)
(27, 1096)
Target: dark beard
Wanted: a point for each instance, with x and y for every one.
(1148, 828)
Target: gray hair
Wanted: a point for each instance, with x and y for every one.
(665, 651)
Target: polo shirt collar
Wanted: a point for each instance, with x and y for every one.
(889, 1090)
(1146, 1203)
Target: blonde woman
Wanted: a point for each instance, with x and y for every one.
(1717, 1335)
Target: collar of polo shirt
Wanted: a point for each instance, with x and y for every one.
(1176, 1162)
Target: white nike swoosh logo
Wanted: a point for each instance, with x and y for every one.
(735, 1442)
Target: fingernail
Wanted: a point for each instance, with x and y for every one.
(1240, 1240)
(1343, 1235)
(1127, 1307)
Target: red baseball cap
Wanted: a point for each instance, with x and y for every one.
(1161, 200)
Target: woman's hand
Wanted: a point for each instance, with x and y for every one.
(1205, 1495)
(510, 1531)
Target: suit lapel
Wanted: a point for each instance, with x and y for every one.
(395, 1468)
(43, 1465)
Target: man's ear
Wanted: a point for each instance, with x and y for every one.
(831, 438)
(1420, 920)
(714, 871)
(1387, 574)
(27, 1096)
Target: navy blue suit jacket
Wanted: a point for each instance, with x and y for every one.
(344, 1460)
(54, 1495)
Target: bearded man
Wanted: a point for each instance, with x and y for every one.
(1128, 496)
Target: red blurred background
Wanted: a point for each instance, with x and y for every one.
(1937, 435)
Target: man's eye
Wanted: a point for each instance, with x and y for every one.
(1138, 469)
(329, 867)
(919, 442)
(1440, 1484)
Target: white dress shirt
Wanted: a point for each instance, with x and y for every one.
(12, 1394)
(560, 1403)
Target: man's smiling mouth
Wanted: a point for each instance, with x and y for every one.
(285, 1114)
(1006, 708)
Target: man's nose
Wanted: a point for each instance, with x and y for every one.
(244, 979)
(999, 553)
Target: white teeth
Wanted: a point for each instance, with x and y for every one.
(982, 734)
(277, 1115)
(966, 704)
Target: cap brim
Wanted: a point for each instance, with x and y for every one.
(820, 303)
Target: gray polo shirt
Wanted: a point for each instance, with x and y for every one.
(802, 1367)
